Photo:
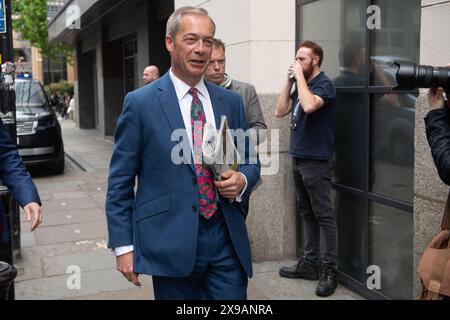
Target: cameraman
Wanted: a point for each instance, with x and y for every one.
(437, 123)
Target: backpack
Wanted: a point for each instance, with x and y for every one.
(434, 265)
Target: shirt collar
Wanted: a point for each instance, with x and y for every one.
(181, 88)
(316, 78)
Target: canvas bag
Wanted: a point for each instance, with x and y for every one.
(434, 265)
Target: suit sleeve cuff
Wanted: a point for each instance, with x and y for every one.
(239, 197)
(122, 250)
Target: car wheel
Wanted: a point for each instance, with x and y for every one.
(59, 169)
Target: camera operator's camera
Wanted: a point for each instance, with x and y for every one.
(411, 76)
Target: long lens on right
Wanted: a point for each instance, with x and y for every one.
(411, 76)
(433, 77)
(424, 76)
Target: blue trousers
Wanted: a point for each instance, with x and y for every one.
(217, 274)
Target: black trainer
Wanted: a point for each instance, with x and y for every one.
(327, 282)
(302, 270)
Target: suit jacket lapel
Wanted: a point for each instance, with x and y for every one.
(169, 103)
(171, 109)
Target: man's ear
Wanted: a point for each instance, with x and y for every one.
(316, 61)
(169, 44)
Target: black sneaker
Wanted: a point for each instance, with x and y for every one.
(302, 270)
(327, 282)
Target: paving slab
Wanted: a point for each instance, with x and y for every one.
(28, 268)
(64, 286)
(27, 239)
(270, 284)
(62, 205)
(87, 261)
(64, 248)
(70, 233)
(66, 217)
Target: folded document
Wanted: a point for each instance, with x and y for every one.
(219, 150)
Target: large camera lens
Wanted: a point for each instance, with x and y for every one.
(411, 76)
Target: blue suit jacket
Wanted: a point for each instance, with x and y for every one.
(15, 176)
(161, 219)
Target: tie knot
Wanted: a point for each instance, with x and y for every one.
(193, 92)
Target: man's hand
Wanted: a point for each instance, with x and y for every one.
(231, 186)
(33, 209)
(125, 266)
(297, 69)
(436, 98)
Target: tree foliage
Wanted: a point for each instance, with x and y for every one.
(31, 23)
(62, 87)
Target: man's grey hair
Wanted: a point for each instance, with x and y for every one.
(173, 24)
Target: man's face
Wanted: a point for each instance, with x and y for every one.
(149, 75)
(216, 68)
(191, 49)
(306, 57)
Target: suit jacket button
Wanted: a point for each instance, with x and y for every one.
(194, 208)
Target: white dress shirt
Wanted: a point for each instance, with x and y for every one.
(185, 101)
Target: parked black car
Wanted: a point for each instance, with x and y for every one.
(39, 138)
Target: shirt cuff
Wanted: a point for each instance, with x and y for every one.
(239, 197)
(122, 250)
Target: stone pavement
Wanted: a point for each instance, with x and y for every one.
(73, 237)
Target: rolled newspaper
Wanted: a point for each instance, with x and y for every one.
(219, 151)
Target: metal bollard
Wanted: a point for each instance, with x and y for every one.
(7, 275)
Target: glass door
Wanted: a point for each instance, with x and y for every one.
(374, 137)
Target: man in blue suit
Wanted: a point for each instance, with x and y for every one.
(15, 176)
(180, 226)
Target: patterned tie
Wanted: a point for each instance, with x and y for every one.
(207, 191)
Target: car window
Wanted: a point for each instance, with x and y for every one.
(30, 97)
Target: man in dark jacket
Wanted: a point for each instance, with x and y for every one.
(437, 123)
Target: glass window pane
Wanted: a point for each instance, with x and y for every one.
(351, 213)
(350, 143)
(30, 97)
(130, 48)
(392, 145)
(398, 39)
(391, 249)
(341, 37)
(130, 74)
